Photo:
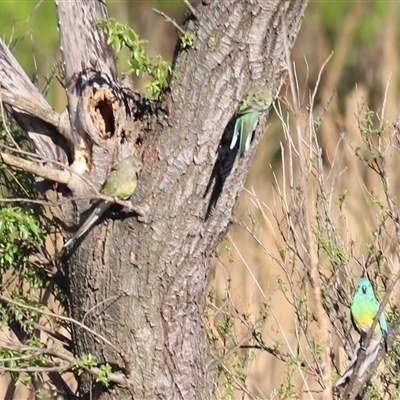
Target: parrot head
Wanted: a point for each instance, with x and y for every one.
(365, 287)
(257, 99)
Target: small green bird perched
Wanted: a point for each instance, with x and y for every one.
(257, 100)
(363, 309)
(121, 183)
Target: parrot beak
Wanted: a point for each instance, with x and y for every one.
(364, 289)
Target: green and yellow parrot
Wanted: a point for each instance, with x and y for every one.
(363, 309)
(257, 100)
(120, 183)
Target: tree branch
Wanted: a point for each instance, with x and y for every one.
(191, 8)
(15, 82)
(356, 384)
(73, 321)
(59, 120)
(116, 377)
(168, 19)
(44, 171)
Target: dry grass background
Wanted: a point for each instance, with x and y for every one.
(253, 256)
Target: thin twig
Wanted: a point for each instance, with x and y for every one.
(126, 204)
(191, 8)
(313, 258)
(74, 321)
(354, 386)
(292, 351)
(115, 377)
(170, 20)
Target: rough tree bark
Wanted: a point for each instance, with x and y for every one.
(139, 280)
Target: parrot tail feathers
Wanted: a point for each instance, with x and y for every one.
(370, 356)
(350, 369)
(243, 146)
(250, 137)
(236, 133)
(98, 211)
(69, 242)
(346, 375)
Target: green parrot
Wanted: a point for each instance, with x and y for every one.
(257, 100)
(121, 183)
(363, 309)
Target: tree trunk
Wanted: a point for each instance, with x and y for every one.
(139, 280)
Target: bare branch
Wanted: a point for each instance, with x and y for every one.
(44, 171)
(322, 319)
(190, 7)
(74, 321)
(14, 80)
(32, 107)
(66, 177)
(168, 19)
(356, 383)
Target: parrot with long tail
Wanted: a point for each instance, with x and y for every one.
(120, 183)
